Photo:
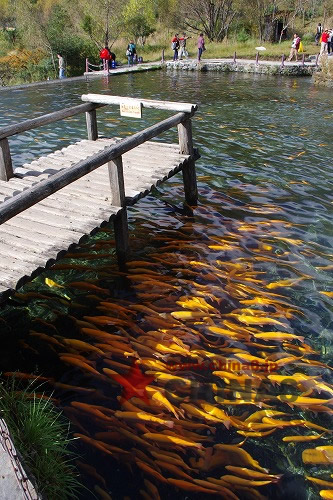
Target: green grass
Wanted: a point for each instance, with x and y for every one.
(152, 51)
(40, 434)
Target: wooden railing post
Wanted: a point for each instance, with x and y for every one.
(6, 167)
(118, 199)
(87, 65)
(91, 121)
(189, 175)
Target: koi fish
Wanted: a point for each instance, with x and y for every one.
(142, 417)
(314, 456)
(278, 336)
(185, 485)
(284, 283)
(99, 445)
(102, 493)
(312, 437)
(167, 458)
(242, 456)
(252, 474)
(89, 287)
(152, 489)
(235, 480)
(149, 470)
(302, 401)
(174, 469)
(82, 346)
(71, 360)
(91, 471)
(158, 398)
(327, 494)
(52, 283)
(163, 438)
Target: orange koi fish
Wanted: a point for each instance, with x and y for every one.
(252, 474)
(70, 360)
(163, 438)
(240, 455)
(312, 437)
(89, 287)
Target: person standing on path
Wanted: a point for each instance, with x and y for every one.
(130, 52)
(182, 44)
(201, 46)
(330, 42)
(294, 47)
(175, 46)
(61, 63)
(324, 42)
(318, 33)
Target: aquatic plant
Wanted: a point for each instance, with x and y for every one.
(41, 434)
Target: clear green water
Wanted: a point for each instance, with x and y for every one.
(264, 181)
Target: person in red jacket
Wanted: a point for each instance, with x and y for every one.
(105, 55)
(324, 42)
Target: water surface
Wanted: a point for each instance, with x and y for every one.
(264, 215)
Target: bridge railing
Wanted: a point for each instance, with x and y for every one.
(111, 155)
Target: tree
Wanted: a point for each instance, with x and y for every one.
(140, 19)
(212, 17)
(99, 20)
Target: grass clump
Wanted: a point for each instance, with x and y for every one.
(41, 435)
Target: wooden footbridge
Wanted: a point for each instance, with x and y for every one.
(57, 200)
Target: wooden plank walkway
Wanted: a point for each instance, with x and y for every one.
(55, 201)
(35, 238)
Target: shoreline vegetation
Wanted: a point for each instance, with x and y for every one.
(41, 435)
(33, 32)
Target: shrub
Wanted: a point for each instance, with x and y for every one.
(325, 75)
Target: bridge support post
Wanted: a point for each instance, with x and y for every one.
(118, 199)
(91, 121)
(189, 175)
(6, 167)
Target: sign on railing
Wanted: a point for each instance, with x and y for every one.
(132, 109)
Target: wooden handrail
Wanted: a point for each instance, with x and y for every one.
(45, 188)
(18, 128)
(184, 107)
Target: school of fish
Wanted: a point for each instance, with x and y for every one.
(181, 381)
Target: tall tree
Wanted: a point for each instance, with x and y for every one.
(212, 17)
(101, 20)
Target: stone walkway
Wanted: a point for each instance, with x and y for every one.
(14, 482)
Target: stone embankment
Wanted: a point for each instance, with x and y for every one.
(245, 66)
(14, 482)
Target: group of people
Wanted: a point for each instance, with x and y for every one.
(108, 58)
(178, 45)
(324, 37)
(326, 42)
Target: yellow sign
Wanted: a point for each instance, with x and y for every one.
(133, 109)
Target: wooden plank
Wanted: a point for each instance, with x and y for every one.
(146, 103)
(189, 174)
(6, 167)
(120, 224)
(18, 128)
(56, 182)
(91, 121)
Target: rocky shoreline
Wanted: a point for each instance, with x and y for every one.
(245, 66)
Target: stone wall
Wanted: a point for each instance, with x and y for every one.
(267, 68)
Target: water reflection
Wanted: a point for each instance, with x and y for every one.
(246, 281)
